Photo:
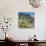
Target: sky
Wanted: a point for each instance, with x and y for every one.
(27, 13)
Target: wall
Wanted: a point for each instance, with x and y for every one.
(9, 8)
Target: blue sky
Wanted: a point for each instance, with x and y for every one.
(28, 13)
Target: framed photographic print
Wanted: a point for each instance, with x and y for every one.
(26, 19)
